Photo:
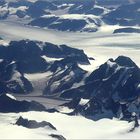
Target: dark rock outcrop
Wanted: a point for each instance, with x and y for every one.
(12, 80)
(32, 124)
(135, 123)
(43, 22)
(81, 7)
(68, 24)
(86, 7)
(96, 11)
(7, 105)
(37, 9)
(63, 51)
(113, 90)
(125, 15)
(73, 103)
(16, 4)
(65, 74)
(127, 30)
(58, 137)
(28, 54)
(21, 14)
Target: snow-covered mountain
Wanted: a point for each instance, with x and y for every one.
(25, 56)
(12, 80)
(69, 22)
(110, 91)
(81, 16)
(123, 16)
(112, 86)
(69, 66)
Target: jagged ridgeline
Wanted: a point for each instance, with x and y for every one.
(86, 88)
(75, 16)
(26, 57)
(112, 90)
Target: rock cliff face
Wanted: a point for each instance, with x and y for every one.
(29, 57)
(69, 22)
(113, 90)
(123, 16)
(8, 104)
(64, 51)
(12, 80)
(66, 74)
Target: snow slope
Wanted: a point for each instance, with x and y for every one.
(71, 127)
